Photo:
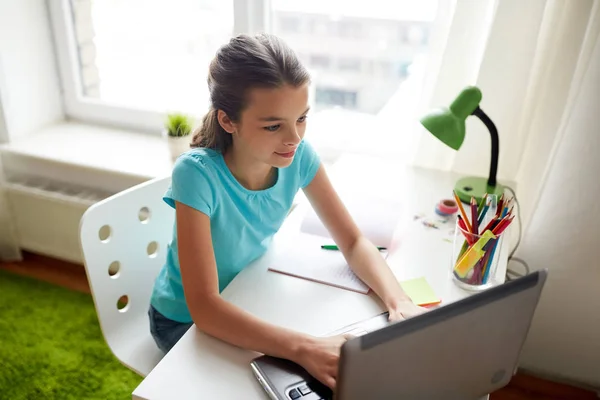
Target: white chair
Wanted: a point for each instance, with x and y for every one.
(123, 239)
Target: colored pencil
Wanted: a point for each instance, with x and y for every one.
(481, 204)
(467, 235)
(500, 223)
(482, 215)
(500, 204)
(462, 211)
(489, 263)
(461, 223)
(474, 216)
(489, 225)
(502, 228)
(485, 263)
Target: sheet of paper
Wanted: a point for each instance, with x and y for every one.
(376, 218)
(420, 292)
(307, 260)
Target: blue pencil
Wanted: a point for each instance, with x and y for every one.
(490, 261)
(482, 215)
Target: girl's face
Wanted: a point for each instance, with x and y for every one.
(272, 125)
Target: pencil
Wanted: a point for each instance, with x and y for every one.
(481, 204)
(499, 224)
(462, 211)
(474, 216)
(334, 247)
(500, 204)
(467, 235)
(502, 226)
(482, 215)
(489, 225)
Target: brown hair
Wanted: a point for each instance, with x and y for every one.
(244, 63)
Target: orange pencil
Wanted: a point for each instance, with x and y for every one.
(462, 211)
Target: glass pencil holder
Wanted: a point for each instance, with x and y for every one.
(475, 258)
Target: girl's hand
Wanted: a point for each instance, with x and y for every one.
(404, 309)
(320, 356)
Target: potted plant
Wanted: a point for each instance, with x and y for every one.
(178, 128)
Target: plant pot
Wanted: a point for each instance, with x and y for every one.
(178, 145)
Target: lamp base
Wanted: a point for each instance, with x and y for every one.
(476, 187)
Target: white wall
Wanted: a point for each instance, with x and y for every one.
(564, 236)
(29, 85)
(29, 88)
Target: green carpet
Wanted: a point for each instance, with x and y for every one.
(51, 346)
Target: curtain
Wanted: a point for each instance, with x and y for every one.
(527, 57)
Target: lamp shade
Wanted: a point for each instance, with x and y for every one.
(448, 124)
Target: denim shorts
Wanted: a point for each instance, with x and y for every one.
(165, 331)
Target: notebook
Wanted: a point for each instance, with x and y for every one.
(306, 260)
(376, 218)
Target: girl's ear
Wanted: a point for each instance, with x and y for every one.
(225, 122)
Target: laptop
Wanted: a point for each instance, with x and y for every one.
(463, 350)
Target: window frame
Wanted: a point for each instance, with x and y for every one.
(248, 16)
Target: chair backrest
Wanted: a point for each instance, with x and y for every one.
(124, 239)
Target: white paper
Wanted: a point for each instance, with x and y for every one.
(305, 259)
(371, 209)
(375, 217)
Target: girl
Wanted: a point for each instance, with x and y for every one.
(233, 191)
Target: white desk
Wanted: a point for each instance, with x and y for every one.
(200, 366)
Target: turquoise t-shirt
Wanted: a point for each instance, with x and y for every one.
(242, 221)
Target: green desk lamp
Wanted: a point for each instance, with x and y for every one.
(448, 125)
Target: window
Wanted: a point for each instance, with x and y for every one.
(319, 61)
(350, 29)
(128, 62)
(349, 64)
(335, 97)
(151, 55)
(288, 24)
(363, 39)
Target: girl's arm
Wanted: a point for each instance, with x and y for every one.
(219, 318)
(362, 256)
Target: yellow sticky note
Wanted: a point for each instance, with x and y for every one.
(420, 292)
(472, 255)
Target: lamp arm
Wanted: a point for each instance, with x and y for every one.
(495, 144)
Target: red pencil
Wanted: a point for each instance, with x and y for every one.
(466, 232)
(502, 226)
(489, 225)
(500, 204)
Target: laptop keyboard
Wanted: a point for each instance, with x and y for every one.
(310, 391)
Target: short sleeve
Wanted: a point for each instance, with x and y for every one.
(309, 164)
(191, 184)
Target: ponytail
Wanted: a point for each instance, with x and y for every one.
(210, 133)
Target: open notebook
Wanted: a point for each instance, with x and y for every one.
(306, 259)
(376, 218)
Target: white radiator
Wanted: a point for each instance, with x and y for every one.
(45, 212)
(46, 218)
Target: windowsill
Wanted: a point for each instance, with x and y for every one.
(109, 160)
(96, 148)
